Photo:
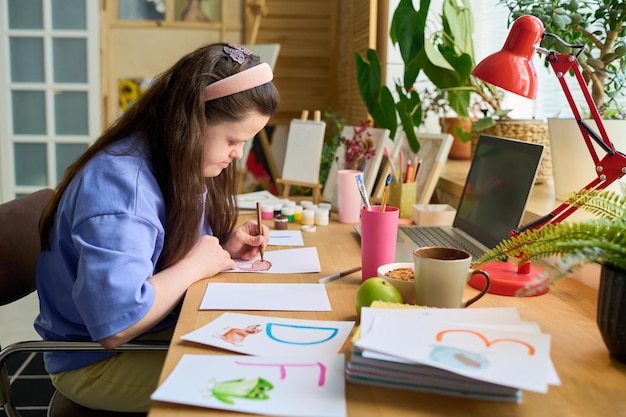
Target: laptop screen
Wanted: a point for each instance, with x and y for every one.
(497, 188)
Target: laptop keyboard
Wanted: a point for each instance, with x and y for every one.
(434, 236)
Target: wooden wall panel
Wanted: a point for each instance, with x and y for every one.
(304, 73)
(357, 33)
(143, 48)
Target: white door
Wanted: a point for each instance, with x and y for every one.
(49, 90)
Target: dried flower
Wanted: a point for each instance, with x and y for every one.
(358, 149)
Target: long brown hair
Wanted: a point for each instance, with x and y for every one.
(171, 118)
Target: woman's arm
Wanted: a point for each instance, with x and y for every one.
(206, 259)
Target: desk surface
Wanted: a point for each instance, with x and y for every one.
(592, 383)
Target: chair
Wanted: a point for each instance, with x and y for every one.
(19, 249)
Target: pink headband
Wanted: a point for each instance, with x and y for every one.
(241, 81)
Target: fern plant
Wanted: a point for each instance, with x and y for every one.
(600, 240)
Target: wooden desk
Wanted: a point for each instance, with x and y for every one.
(592, 383)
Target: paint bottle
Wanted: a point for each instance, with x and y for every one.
(308, 217)
(281, 222)
(289, 212)
(267, 212)
(297, 214)
(322, 217)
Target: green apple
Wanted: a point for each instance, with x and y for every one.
(373, 289)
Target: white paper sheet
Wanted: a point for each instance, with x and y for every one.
(248, 201)
(270, 297)
(285, 261)
(278, 385)
(265, 336)
(286, 238)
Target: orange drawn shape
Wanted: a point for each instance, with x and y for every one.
(488, 343)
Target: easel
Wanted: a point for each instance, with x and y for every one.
(258, 9)
(298, 157)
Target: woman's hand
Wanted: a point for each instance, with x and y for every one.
(245, 241)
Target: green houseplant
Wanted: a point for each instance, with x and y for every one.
(597, 24)
(598, 240)
(445, 54)
(407, 31)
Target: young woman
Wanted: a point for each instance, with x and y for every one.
(145, 212)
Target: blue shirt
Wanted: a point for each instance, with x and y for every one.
(106, 239)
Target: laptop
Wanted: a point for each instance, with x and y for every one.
(492, 203)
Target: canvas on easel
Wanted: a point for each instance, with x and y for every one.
(303, 156)
(381, 139)
(433, 153)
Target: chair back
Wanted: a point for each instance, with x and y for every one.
(19, 244)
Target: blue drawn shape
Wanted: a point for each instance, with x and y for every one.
(459, 358)
(332, 333)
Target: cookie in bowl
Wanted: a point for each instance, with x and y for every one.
(401, 276)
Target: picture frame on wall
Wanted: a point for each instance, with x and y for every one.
(433, 153)
(381, 139)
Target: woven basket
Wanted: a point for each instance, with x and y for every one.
(527, 130)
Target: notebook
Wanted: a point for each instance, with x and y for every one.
(492, 203)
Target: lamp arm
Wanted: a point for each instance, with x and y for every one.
(608, 169)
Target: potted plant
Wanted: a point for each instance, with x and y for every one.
(446, 57)
(598, 240)
(599, 26)
(385, 110)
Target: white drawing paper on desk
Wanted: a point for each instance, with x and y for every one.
(268, 297)
(284, 261)
(311, 385)
(248, 201)
(264, 335)
(286, 238)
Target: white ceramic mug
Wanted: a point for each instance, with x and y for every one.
(441, 275)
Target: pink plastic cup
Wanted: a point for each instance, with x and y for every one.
(379, 232)
(348, 196)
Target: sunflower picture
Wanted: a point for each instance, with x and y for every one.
(130, 90)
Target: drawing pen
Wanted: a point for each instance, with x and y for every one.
(383, 204)
(258, 219)
(339, 275)
(363, 191)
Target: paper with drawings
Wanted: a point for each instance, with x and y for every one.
(263, 335)
(311, 385)
(270, 297)
(284, 261)
(513, 355)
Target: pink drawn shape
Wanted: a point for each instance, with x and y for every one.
(257, 265)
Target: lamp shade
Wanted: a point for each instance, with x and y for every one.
(512, 68)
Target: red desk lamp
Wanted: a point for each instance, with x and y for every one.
(512, 69)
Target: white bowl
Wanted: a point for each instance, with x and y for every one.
(406, 288)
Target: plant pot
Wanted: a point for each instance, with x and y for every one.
(534, 131)
(611, 315)
(572, 165)
(459, 149)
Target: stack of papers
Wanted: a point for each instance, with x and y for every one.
(488, 354)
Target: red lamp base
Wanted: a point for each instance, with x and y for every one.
(507, 278)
